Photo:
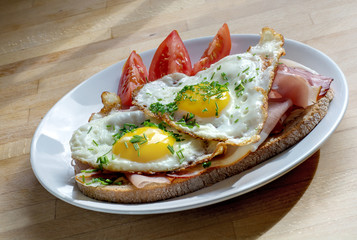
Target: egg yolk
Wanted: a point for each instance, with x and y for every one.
(204, 100)
(144, 144)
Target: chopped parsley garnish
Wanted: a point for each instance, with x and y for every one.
(89, 171)
(147, 123)
(163, 108)
(214, 88)
(180, 155)
(251, 79)
(213, 75)
(205, 89)
(139, 139)
(111, 126)
(136, 147)
(239, 89)
(127, 127)
(181, 94)
(245, 70)
(118, 183)
(162, 126)
(224, 76)
(104, 181)
(188, 120)
(177, 136)
(102, 160)
(90, 129)
(171, 149)
(206, 164)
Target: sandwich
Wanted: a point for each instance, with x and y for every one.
(185, 132)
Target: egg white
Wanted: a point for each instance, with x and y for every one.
(95, 139)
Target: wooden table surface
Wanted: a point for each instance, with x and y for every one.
(47, 47)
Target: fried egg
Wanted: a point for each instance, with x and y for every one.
(226, 102)
(129, 141)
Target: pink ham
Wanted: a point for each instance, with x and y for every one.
(276, 110)
(188, 172)
(314, 79)
(141, 181)
(299, 85)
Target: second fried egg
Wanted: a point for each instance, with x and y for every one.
(129, 141)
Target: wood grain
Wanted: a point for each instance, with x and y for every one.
(49, 47)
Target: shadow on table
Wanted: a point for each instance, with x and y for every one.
(255, 213)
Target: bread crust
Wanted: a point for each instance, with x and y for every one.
(295, 130)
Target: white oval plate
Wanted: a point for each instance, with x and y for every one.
(51, 157)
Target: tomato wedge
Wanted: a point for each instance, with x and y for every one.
(134, 74)
(170, 57)
(217, 49)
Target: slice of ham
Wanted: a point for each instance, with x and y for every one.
(313, 78)
(276, 110)
(233, 155)
(141, 181)
(288, 83)
(188, 172)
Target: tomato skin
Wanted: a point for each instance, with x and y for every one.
(134, 74)
(171, 56)
(217, 49)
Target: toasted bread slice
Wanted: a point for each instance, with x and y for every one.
(296, 128)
